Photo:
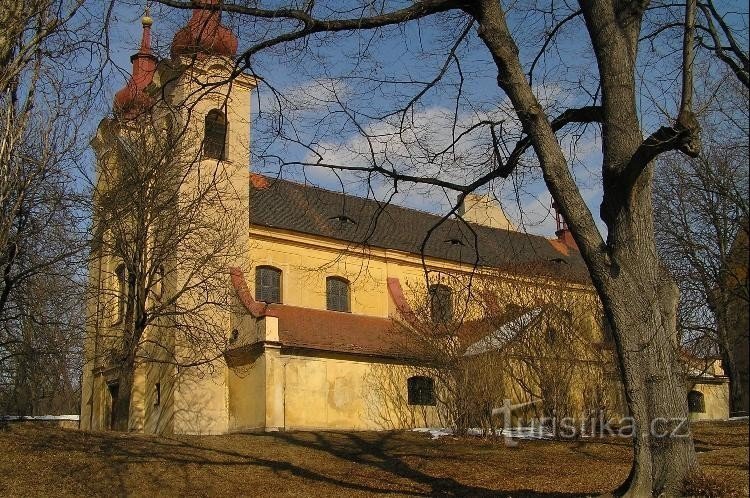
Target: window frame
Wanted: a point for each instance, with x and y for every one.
(259, 294)
(215, 133)
(696, 401)
(347, 305)
(421, 391)
(446, 312)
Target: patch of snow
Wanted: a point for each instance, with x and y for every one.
(41, 417)
(531, 432)
(434, 432)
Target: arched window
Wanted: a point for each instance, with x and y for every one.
(215, 137)
(421, 390)
(122, 291)
(441, 303)
(268, 284)
(696, 402)
(337, 294)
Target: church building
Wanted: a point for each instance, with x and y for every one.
(323, 287)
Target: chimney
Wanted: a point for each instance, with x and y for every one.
(563, 233)
(483, 210)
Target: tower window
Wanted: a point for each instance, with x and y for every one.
(122, 291)
(337, 294)
(215, 137)
(157, 286)
(441, 303)
(268, 284)
(421, 390)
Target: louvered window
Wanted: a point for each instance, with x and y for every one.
(441, 303)
(337, 294)
(215, 138)
(421, 390)
(268, 284)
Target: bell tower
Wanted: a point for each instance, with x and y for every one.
(202, 85)
(186, 121)
(210, 99)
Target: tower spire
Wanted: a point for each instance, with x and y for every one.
(132, 99)
(563, 232)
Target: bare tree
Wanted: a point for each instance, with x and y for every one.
(701, 210)
(41, 223)
(487, 338)
(638, 296)
(165, 238)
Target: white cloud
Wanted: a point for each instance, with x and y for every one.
(310, 97)
(423, 145)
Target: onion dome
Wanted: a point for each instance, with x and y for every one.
(204, 34)
(133, 99)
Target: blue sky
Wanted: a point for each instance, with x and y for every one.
(331, 76)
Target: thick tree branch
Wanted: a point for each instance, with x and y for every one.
(685, 134)
(312, 25)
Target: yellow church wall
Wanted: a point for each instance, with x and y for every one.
(246, 382)
(200, 401)
(159, 407)
(715, 398)
(336, 393)
(306, 261)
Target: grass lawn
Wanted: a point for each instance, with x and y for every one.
(57, 462)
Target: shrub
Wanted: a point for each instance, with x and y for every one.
(700, 484)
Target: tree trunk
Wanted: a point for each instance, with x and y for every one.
(640, 299)
(655, 389)
(738, 403)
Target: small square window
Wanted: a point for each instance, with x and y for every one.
(421, 390)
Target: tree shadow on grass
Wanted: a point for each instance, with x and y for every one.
(380, 451)
(181, 465)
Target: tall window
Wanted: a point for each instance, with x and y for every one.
(441, 303)
(157, 287)
(421, 390)
(268, 284)
(337, 294)
(122, 291)
(215, 138)
(696, 402)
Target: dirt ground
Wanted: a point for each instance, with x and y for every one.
(38, 461)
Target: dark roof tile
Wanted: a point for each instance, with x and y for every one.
(308, 209)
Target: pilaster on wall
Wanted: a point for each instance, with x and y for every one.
(275, 386)
(137, 400)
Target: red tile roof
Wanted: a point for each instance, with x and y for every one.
(340, 332)
(325, 330)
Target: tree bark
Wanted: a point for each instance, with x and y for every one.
(639, 299)
(641, 304)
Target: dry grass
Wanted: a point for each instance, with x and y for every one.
(57, 462)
